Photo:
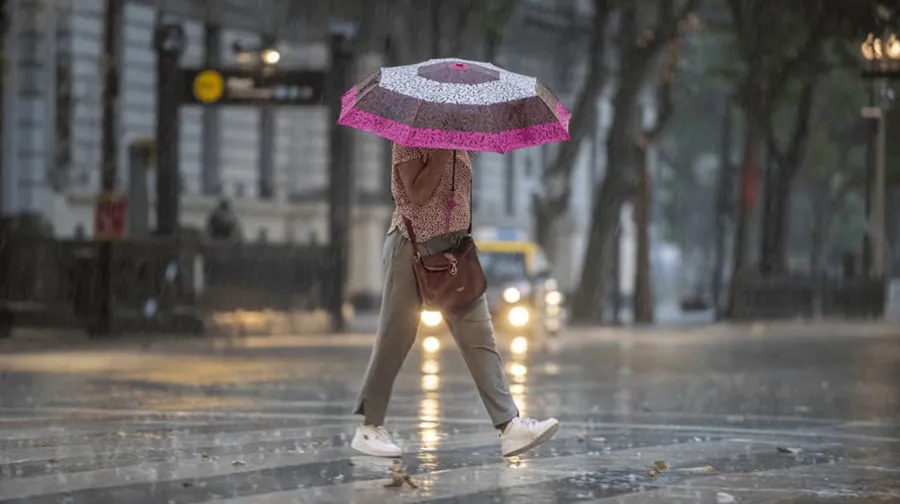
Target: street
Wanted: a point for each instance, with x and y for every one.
(716, 414)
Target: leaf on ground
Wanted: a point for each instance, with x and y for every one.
(702, 469)
(725, 498)
(399, 477)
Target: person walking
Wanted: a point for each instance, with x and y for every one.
(426, 184)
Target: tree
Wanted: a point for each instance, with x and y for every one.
(769, 58)
(4, 24)
(643, 299)
(557, 179)
(636, 55)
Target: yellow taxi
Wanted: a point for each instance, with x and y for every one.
(522, 294)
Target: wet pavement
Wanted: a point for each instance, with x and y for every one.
(759, 414)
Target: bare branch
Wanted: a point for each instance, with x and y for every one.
(584, 114)
(664, 91)
(667, 26)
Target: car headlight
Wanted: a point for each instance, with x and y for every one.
(519, 316)
(519, 345)
(431, 318)
(431, 344)
(553, 298)
(512, 295)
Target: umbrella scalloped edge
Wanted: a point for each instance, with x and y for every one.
(410, 136)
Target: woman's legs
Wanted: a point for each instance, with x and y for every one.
(397, 326)
(474, 334)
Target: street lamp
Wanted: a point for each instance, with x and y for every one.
(271, 56)
(881, 51)
(265, 53)
(883, 57)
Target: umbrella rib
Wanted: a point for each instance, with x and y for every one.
(413, 127)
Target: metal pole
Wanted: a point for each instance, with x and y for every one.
(878, 263)
(340, 181)
(139, 155)
(266, 158)
(112, 27)
(170, 42)
(212, 185)
(266, 135)
(871, 161)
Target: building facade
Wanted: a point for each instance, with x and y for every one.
(53, 109)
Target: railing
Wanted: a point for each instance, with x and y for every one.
(158, 285)
(784, 297)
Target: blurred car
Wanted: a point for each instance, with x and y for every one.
(523, 297)
(695, 302)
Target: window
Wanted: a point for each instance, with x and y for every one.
(503, 267)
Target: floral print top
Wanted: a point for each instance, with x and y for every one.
(431, 219)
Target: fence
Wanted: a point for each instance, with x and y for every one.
(159, 285)
(767, 298)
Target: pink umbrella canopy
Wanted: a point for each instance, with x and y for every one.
(456, 104)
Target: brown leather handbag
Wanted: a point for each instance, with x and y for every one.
(451, 279)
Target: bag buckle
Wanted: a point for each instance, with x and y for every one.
(453, 269)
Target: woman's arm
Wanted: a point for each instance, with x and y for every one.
(421, 179)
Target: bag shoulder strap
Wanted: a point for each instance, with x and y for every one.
(471, 195)
(409, 230)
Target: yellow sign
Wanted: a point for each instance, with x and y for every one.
(209, 86)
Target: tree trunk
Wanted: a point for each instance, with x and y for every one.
(588, 304)
(434, 8)
(636, 54)
(642, 301)
(615, 286)
(817, 235)
(780, 174)
(4, 24)
(556, 179)
(749, 181)
(723, 210)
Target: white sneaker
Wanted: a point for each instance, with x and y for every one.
(523, 434)
(375, 441)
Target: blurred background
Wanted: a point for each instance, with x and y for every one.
(173, 165)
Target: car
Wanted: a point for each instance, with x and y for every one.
(523, 297)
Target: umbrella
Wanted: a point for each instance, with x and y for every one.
(456, 104)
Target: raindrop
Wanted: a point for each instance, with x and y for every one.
(150, 308)
(171, 272)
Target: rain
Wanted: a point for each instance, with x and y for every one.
(479, 251)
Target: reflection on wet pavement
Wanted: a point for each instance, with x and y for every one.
(740, 417)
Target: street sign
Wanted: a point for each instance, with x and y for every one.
(233, 86)
(110, 216)
(209, 86)
(871, 112)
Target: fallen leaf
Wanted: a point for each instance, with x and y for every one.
(703, 469)
(725, 498)
(398, 477)
(513, 461)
